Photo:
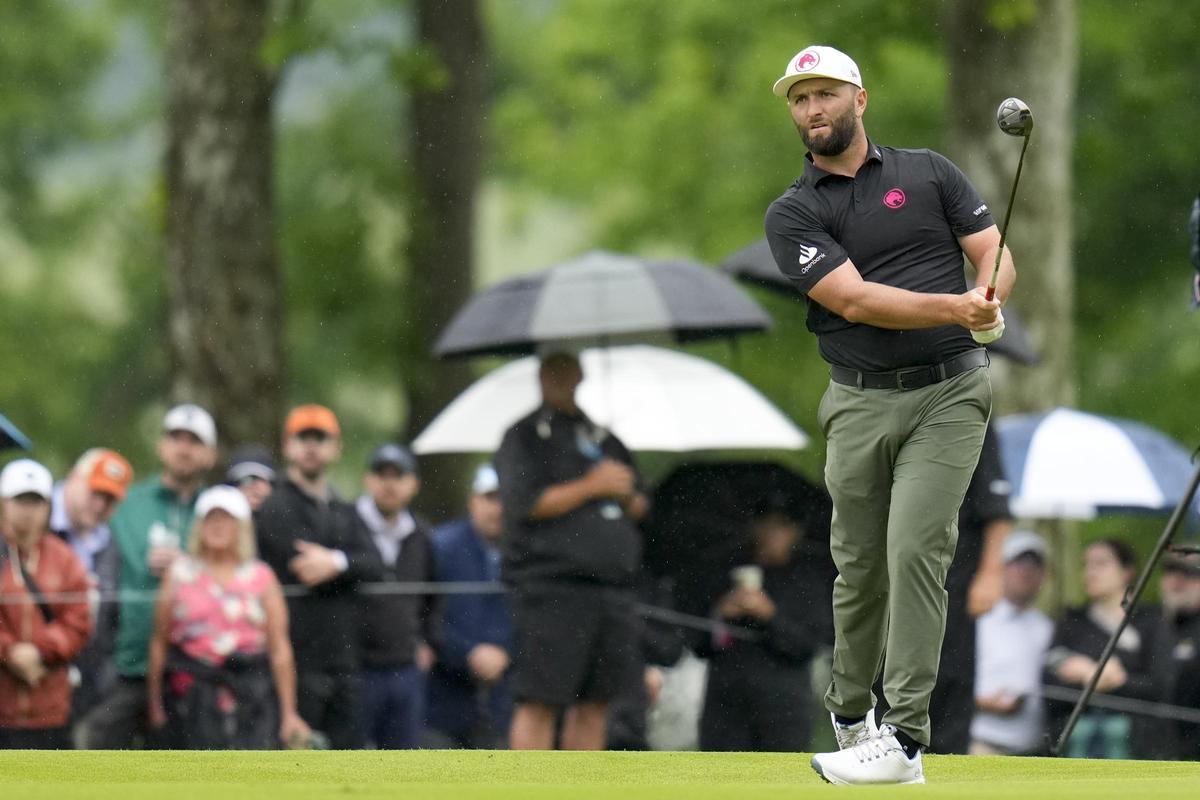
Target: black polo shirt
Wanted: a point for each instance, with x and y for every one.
(898, 220)
(596, 542)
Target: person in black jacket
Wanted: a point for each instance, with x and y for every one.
(572, 552)
(1140, 668)
(1180, 590)
(319, 550)
(758, 696)
(396, 626)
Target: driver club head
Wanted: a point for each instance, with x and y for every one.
(1014, 117)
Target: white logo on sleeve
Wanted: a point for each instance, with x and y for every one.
(981, 210)
(809, 256)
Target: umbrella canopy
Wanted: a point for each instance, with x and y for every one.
(755, 264)
(598, 299)
(1072, 465)
(651, 398)
(11, 436)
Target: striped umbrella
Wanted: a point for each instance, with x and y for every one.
(601, 298)
(755, 264)
(1068, 464)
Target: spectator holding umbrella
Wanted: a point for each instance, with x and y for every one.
(758, 695)
(40, 633)
(572, 551)
(221, 673)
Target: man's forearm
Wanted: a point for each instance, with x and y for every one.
(899, 309)
(560, 499)
(1008, 272)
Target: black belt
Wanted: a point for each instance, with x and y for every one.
(913, 377)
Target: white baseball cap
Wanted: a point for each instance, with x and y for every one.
(486, 480)
(25, 476)
(226, 498)
(194, 420)
(818, 61)
(1018, 543)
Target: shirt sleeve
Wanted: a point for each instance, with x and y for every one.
(803, 247)
(521, 475)
(964, 208)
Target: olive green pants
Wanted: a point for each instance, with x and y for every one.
(897, 468)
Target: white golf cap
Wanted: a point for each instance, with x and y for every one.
(226, 498)
(818, 61)
(1018, 543)
(194, 420)
(486, 480)
(25, 476)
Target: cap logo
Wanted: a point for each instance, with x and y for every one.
(894, 198)
(114, 471)
(806, 61)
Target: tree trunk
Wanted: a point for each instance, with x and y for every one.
(447, 156)
(998, 50)
(223, 284)
(1001, 49)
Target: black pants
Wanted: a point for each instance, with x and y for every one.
(757, 707)
(331, 702)
(35, 739)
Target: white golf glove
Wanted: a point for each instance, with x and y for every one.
(991, 334)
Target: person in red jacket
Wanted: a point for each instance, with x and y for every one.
(44, 617)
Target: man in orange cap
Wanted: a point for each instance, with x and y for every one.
(80, 509)
(315, 541)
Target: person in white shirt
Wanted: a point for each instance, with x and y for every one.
(1011, 644)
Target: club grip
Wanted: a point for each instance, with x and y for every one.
(991, 292)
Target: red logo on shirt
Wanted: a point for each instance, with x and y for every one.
(806, 61)
(894, 198)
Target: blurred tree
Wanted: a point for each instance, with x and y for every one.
(449, 101)
(225, 319)
(1029, 49)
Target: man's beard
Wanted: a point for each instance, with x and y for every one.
(841, 134)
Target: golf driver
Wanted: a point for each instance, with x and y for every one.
(1014, 118)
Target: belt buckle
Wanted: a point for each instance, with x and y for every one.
(912, 371)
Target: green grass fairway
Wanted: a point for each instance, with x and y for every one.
(457, 775)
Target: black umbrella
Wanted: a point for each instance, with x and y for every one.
(755, 264)
(11, 436)
(600, 299)
(699, 526)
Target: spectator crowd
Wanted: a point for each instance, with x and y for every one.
(267, 611)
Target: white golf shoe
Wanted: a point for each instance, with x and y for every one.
(878, 759)
(850, 735)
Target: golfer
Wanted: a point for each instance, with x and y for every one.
(874, 237)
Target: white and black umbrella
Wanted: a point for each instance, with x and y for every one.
(651, 398)
(755, 264)
(601, 298)
(11, 436)
(1067, 464)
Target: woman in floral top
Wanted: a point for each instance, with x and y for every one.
(221, 672)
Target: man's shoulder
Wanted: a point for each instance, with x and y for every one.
(522, 428)
(451, 534)
(794, 196)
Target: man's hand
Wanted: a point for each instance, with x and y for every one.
(1001, 702)
(989, 335)
(652, 679)
(975, 312)
(425, 657)
(25, 662)
(741, 603)
(160, 559)
(487, 662)
(314, 564)
(986, 588)
(609, 478)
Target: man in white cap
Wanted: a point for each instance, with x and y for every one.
(470, 700)
(151, 529)
(44, 616)
(874, 237)
(1011, 642)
